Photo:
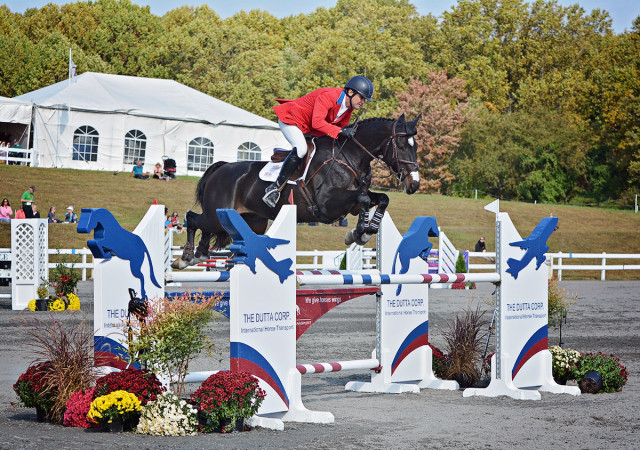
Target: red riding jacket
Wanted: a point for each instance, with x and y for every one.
(316, 112)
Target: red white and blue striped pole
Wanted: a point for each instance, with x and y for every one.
(358, 364)
(195, 276)
(346, 278)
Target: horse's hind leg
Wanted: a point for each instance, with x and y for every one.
(187, 258)
(202, 252)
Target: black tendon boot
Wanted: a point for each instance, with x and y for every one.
(272, 192)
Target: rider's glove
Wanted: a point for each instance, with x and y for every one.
(348, 132)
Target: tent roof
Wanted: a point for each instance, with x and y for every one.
(15, 111)
(148, 97)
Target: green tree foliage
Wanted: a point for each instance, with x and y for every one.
(535, 155)
(520, 62)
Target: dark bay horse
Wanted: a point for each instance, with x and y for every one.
(337, 184)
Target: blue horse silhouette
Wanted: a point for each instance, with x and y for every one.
(414, 242)
(110, 238)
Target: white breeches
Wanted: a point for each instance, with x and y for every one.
(295, 137)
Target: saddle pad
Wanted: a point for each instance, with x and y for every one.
(271, 170)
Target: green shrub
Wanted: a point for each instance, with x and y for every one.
(559, 302)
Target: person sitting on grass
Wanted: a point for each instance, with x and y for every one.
(137, 172)
(70, 217)
(52, 215)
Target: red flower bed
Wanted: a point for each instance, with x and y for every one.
(78, 405)
(143, 383)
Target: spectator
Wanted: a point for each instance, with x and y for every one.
(5, 210)
(175, 222)
(27, 200)
(36, 213)
(157, 173)
(137, 172)
(480, 245)
(70, 217)
(52, 215)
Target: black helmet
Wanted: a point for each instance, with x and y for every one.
(362, 85)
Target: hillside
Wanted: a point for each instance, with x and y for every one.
(581, 229)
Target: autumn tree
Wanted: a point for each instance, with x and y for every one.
(443, 104)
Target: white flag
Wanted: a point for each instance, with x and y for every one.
(72, 66)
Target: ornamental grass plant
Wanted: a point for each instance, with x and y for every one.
(168, 415)
(464, 340)
(226, 397)
(68, 349)
(173, 333)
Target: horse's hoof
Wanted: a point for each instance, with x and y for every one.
(362, 240)
(199, 259)
(348, 237)
(180, 264)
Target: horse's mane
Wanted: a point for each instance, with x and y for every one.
(376, 119)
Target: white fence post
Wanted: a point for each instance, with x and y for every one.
(560, 264)
(604, 263)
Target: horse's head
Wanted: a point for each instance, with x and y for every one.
(401, 153)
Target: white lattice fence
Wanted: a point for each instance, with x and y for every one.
(29, 259)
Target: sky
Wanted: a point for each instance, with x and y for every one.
(622, 12)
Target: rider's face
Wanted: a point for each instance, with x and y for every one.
(355, 102)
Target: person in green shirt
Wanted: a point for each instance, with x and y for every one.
(27, 200)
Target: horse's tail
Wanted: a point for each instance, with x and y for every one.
(151, 273)
(203, 181)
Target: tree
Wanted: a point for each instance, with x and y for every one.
(443, 104)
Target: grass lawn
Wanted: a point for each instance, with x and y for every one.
(581, 229)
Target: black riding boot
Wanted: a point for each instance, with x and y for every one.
(289, 166)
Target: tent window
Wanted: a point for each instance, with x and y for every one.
(199, 154)
(135, 145)
(85, 144)
(249, 152)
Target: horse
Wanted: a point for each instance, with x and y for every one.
(337, 184)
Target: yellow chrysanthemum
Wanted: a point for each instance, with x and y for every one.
(57, 305)
(74, 302)
(32, 305)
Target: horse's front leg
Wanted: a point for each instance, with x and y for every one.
(381, 201)
(359, 234)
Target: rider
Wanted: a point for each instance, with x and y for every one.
(325, 111)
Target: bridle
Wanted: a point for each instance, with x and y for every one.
(391, 141)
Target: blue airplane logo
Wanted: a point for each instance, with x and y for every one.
(414, 243)
(247, 245)
(535, 246)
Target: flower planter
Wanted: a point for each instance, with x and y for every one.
(591, 383)
(559, 380)
(41, 414)
(41, 304)
(116, 426)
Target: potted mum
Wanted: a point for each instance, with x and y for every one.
(35, 390)
(613, 374)
(563, 360)
(169, 415)
(113, 410)
(142, 383)
(225, 399)
(77, 408)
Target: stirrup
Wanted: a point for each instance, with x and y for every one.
(271, 196)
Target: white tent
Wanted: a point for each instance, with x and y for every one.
(106, 122)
